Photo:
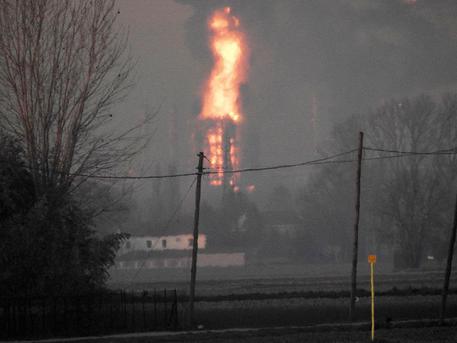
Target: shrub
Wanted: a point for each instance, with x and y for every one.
(48, 244)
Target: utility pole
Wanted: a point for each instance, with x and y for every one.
(447, 274)
(355, 245)
(193, 270)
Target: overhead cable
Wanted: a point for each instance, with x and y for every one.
(282, 166)
(325, 160)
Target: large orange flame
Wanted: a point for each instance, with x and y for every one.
(221, 97)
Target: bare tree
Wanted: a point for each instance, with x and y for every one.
(63, 64)
(413, 191)
(406, 198)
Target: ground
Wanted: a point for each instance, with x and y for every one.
(410, 335)
(308, 308)
(278, 297)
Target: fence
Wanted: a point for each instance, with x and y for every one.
(89, 314)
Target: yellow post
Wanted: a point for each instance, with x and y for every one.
(372, 261)
(372, 301)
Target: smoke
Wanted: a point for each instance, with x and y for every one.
(312, 64)
(350, 54)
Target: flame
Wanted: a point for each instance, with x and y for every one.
(250, 188)
(221, 96)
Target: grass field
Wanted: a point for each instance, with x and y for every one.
(274, 279)
(302, 311)
(304, 295)
(399, 335)
(311, 296)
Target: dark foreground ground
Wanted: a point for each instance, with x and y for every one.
(276, 278)
(447, 335)
(404, 335)
(298, 311)
(236, 302)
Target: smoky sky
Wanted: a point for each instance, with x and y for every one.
(343, 57)
(350, 54)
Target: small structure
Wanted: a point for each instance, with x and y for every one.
(148, 252)
(150, 243)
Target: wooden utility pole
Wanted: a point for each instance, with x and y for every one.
(447, 275)
(355, 245)
(193, 270)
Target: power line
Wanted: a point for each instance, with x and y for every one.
(115, 177)
(282, 166)
(450, 151)
(324, 160)
(169, 221)
(327, 160)
(401, 154)
(149, 177)
(179, 205)
(374, 158)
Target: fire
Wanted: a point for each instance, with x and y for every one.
(221, 96)
(250, 188)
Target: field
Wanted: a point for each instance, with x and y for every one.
(302, 311)
(301, 295)
(276, 279)
(286, 335)
(417, 335)
(267, 304)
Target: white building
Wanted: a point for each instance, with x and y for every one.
(148, 252)
(150, 243)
